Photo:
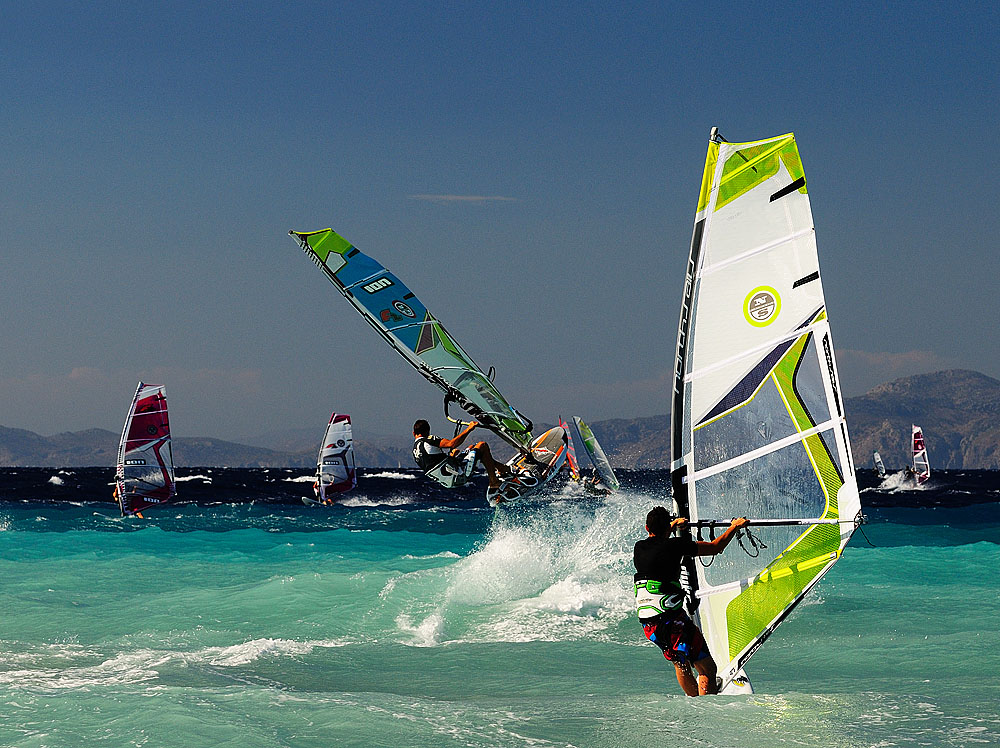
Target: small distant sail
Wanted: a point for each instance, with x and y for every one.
(921, 467)
(593, 448)
(335, 470)
(879, 465)
(574, 466)
(144, 476)
(757, 418)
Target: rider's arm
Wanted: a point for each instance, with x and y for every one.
(717, 546)
(459, 438)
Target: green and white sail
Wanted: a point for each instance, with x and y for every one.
(406, 324)
(757, 425)
(593, 448)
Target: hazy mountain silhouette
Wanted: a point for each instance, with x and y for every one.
(958, 410)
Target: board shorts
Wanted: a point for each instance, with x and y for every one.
(677, 636)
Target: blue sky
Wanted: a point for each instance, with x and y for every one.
(531, 171)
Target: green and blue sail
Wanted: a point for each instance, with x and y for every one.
(409, 327)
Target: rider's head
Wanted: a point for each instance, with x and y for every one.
(421, 428)
(658, 521)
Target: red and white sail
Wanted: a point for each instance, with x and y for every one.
(144, 475)
(335, 469)
(921, 467)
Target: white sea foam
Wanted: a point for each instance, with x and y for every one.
(142, 665)
(205, 478)
(442, 554)
(55, 480)
(392, 474)
(427, 633)
(895, 482)
(362, 500)
(247, 652)
(301, 479)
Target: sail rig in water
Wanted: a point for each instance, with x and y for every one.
(757, 426)
(406, 324)
(879, 465)
(921, 467)
(335, 470)
(144, 476)
(572, 464)
(601, 462)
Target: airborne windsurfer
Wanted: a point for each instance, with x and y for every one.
(659, 597)
(431, 452)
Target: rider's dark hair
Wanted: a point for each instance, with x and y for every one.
(658, 520)
(421, 428)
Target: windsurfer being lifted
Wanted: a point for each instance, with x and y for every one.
(439, 459)
(659, 597)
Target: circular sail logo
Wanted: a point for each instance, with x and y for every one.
(403, 309)
(761, 306)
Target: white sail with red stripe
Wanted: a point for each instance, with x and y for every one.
(335, 470)
(144, 475)
(921, 466)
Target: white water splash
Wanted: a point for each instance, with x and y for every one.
(896, 482)
(554, 574)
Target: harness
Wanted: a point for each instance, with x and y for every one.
(448, 471)
(653, 598)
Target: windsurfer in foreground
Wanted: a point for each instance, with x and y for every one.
(659, 598)
(432, 452)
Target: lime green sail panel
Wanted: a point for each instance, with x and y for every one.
(409, 327)
(755, 164)
(758, 427)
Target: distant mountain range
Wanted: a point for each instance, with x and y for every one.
(959, 411)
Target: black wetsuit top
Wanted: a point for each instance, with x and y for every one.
(659, 557)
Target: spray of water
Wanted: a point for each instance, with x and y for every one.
(555, 571)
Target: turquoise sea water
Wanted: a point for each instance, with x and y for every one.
(399, 621)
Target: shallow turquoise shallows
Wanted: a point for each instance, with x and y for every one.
(393, 622)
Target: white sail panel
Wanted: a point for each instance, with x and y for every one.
(335, 469)
(758, 427)
(921, 465)
(879, 465)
